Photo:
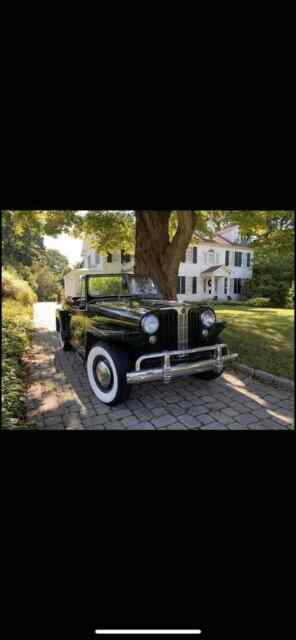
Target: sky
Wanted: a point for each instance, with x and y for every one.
(65, 244)
(68, 246)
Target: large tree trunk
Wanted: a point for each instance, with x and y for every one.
(155, 255)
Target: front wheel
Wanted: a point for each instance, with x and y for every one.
(106, 369)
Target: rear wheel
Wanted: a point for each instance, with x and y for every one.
(106, 369)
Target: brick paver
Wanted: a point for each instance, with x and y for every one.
(59, 398)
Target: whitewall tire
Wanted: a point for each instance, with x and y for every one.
(106, 370)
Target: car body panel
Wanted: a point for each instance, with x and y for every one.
(117, 319)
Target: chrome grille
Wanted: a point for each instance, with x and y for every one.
(168, 332)
(194, 328)
(183, 328)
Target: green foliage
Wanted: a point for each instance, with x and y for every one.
(47, 285)
(108, 231)
(273, 275)
(109, 286)
(24, 250)
(271, 232)
(21, 239)
(14, 311)
(291, 296)
(16, 288)
(56, 262)
(16, 327)
(258, 302)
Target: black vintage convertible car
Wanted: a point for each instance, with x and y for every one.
(128, 334)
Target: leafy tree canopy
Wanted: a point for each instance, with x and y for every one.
(158, 239)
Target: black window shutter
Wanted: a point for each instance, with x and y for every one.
(194, 285)
(227, 258)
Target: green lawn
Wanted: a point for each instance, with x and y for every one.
(264, 338)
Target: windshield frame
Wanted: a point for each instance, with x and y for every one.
(126, 278)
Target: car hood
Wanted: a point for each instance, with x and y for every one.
(136, 308)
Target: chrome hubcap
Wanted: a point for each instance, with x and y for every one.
(103, 374)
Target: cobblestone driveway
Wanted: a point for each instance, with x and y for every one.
(60, 397)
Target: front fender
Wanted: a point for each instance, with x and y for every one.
(127, 339)
(216, 329)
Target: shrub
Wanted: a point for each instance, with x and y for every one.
(18, 313)
(258, 302)
(16, 326)
(15, 343)
(291, 297)
(14, 287)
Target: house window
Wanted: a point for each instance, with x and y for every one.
(238, 259)
(194, 285)
(98, 259)
(227, 258)
(184, 257)
(181, 284)
(211, 255)
(194, 255)
(237, 286)
(216, 285)
(248, 259)
(109, 257)
(205, 286)
(125, 257)
(225, 286)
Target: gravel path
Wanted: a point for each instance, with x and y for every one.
(60, 397)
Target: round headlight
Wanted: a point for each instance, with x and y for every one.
(150, 324)
(208, 318)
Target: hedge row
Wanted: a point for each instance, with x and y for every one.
(16, 328)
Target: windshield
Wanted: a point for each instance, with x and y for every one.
(140, 285)
(106, 286)
(120, 285)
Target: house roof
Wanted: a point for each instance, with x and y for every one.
(212, 269)
(221, 268)
(219, 240)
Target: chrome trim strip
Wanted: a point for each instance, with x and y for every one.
(167, 372)
(183, 312)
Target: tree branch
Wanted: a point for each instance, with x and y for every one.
(186, 226)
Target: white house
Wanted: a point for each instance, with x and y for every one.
(212, 268)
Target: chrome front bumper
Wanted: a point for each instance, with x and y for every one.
(167, 372)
